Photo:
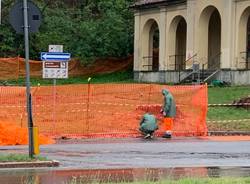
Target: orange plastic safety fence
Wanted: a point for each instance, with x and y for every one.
(14, 135)
(104, 110)
(14, 68)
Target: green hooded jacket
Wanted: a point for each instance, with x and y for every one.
(169, 106)
(148, 122)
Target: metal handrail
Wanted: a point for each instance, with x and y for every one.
(246, 60)
(190, 58)
(215, 65)
(181, 73)
(176, 66)
(213, 58)
(185, 62)
(144, 57)
(148, 65)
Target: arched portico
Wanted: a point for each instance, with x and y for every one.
(209, 50)
(244, 40)
(170, 38)
(150, 45)
(177, 42)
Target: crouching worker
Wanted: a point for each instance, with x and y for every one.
(169, 111)
(148, 125)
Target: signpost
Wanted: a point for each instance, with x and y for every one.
(25, 18)
(55, 56)
(55, 69)
(55, 65)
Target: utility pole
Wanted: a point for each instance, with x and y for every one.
(27, 66)
(25, 17)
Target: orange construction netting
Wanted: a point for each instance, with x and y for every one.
(103, 110)
(14, 135)
(14, 68)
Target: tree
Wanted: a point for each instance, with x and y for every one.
(87, 29)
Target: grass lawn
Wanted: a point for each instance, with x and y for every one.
(217, 95)
(187, 181)
(19, 158)
(121, 77)
(227, 95)
(202, 181)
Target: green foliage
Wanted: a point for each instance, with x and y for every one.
(19, 158)
(87, 29)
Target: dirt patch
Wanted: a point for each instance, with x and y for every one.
(100, 66)
(243, 102)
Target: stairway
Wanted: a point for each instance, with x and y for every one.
(197, 74)
(199, 77)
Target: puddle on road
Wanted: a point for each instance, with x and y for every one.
(41, 176)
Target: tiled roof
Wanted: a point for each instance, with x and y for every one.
(145, 2)
(148, 3)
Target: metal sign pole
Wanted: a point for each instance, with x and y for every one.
(0, 10)
(87, 120)
(28, 95)
(54, 103)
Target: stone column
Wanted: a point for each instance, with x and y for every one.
(191, 5)
(162, 45)
(137, 51)
(226, 34)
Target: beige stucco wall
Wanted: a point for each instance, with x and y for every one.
(197, 15)
(242, 11)
(143, 22)
(174, 14)
(203, 11)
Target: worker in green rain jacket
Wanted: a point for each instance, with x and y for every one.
(169, 112)
(148, 125)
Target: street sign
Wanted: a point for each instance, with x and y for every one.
(55, 48)
(55, 56)
(55, 69)
(17, 21)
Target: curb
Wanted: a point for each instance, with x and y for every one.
(232, 133)
(52, 163)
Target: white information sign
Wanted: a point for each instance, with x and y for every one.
(55, 48)
(55, 69)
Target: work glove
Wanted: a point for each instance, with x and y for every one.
(164, 113)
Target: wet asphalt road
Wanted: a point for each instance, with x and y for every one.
(138, 153)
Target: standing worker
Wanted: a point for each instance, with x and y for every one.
(148, 125)
(169, 111)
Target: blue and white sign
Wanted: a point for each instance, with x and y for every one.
(55, 56)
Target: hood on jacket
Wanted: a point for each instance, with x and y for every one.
(165, 92)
